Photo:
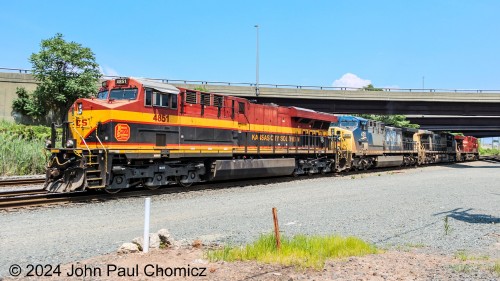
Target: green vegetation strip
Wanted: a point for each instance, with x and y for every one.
(488, 151)
(22, 149)
(300, 251)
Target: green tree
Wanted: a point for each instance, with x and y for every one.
(370, 87)
(65, 71)
(391, 120)
(29, 105)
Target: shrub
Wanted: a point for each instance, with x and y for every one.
(22, 149)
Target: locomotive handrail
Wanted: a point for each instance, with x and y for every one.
(105, 153)
(84, 142)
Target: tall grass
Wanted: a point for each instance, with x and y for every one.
(22, 149)
(300, 251)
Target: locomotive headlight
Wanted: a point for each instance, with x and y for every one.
(80, 109)
(70, 143)
(48, 144)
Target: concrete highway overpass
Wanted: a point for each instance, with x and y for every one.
(479, 126)
(470, 111)
(348, 101)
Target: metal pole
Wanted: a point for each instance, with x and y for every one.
(257, 64)
(423, 82)
(147, 209)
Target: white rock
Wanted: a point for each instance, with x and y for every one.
(154, 241)
(165, 237)
(128, 248)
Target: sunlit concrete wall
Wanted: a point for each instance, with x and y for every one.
(9, 82)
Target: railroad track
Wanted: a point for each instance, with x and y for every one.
(490, 158)
(21, 192)
(38, 197)
(12, 200)
(21, 181)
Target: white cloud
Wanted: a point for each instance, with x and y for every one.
(351, 80)
(108, 71)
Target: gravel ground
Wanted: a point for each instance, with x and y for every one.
(390, 209)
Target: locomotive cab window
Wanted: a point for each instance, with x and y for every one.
(164, 100)
(364, 126)
(173, 103)
(157, 99)
(102, 95)
(148, 97)
(123, 94)
(160, 99)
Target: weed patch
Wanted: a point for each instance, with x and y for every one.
(300, 251)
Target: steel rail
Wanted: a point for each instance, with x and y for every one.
(21, 181)
(21, 192)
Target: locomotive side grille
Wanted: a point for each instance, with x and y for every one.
(205, 99)
(218, 101)
(191, 97)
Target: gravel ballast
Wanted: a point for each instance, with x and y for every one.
(390, 209)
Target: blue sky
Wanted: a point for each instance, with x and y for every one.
(453, 44)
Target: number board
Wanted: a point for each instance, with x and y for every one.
(121, 81)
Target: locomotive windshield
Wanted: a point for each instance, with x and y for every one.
(102, 95)
(123, 94)
(348, 124)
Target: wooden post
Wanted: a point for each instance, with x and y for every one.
(276, 228)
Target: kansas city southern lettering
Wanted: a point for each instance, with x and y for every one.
(270, 137)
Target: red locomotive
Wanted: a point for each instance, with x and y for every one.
(467, 148)
(143, 132)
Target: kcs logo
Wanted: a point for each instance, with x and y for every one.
(82, 122)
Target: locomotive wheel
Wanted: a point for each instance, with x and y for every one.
(113, 191)
(151, 187)
(182, 183)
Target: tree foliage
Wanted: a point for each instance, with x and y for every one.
(65, 71)
(370, 87)
(391, 120)
(201, 89)
(30, 105)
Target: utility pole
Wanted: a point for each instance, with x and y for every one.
(423, 82)
(257, 64)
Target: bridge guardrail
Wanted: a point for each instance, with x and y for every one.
(286, 86)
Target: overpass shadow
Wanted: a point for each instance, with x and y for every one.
(465, 216)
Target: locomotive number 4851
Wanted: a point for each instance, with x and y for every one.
(160, 118)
